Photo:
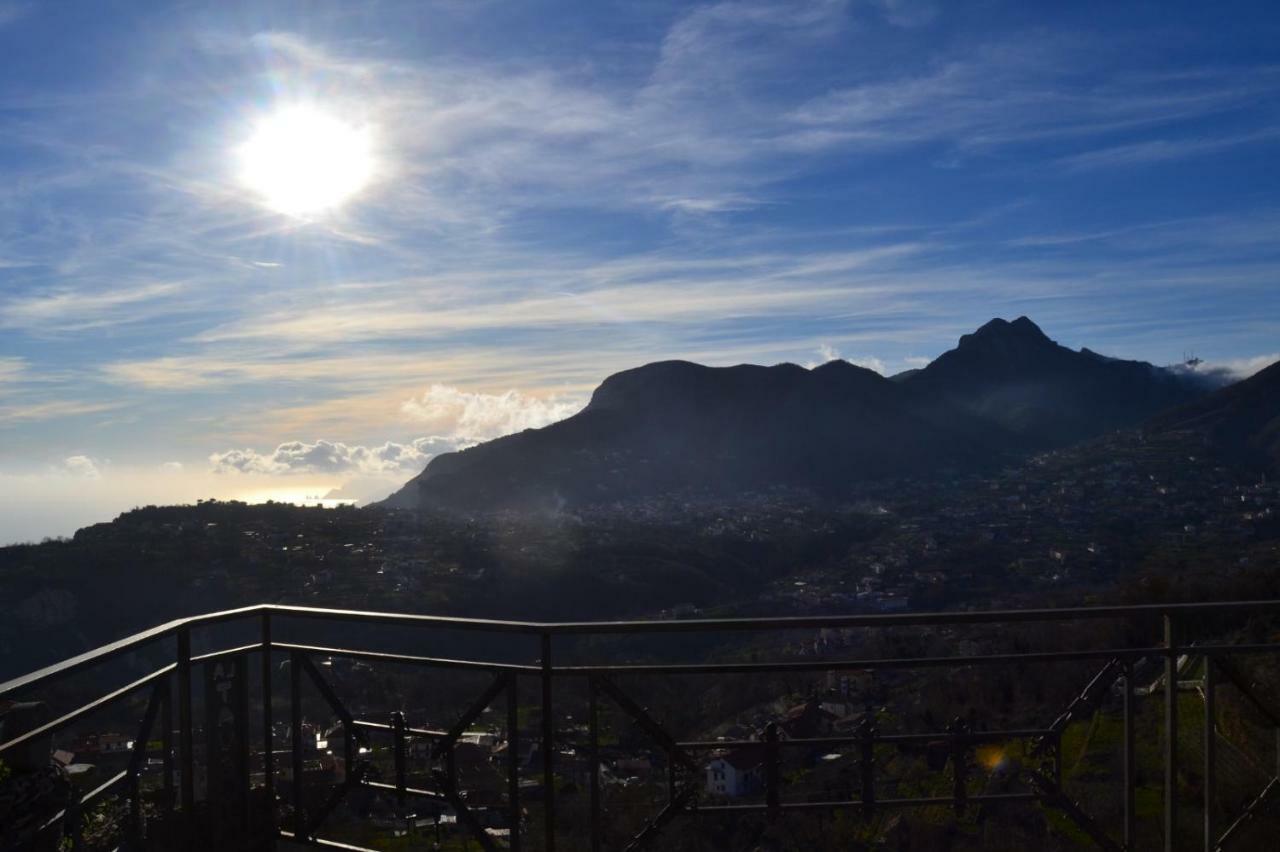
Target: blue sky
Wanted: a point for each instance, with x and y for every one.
(562, 190)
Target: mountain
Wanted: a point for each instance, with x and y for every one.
(669, 426)
(674, 425)
(1241, 421)
(1012, 375)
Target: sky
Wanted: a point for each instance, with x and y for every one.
(546, 193)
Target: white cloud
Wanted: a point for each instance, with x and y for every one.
(335, 457)
(1231, 369)
(81, 466)
(827, 352)
(870, 363)
(448, 410)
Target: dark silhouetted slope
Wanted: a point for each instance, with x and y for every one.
(670, 426)
(675, 425)
(1241, 421)
(1012, 375)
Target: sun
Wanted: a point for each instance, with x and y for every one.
(302, 161)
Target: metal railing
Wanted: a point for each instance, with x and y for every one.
(172, 683)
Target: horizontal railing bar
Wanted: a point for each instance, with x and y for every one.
(854, 803)
(381, 656)
(105, 652)
(413, 732)
(85, 709)
(835, 665)
(908, 619)
(226, 652)
(121, 646)
(411, 791)
(854, 739)
(327, 844)
(449, 622)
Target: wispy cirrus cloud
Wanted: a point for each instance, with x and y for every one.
(18, 413)
(12, 369)
(78, 310)
(1166, 150)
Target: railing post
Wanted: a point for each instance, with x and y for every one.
(185, 736)
(772, 776)
(399, 749)
(1130, 778)
(960, 764)
(866, 763)
(513, 757)
(593, 759)
(1170, 735)
(166, 743)
(268, 739)
(1210, 749)
(295, 743)
(548, 748)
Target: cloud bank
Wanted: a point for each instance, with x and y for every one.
(335, 457)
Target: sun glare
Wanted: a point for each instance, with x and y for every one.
(302, 161)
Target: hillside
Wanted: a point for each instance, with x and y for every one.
(673, 426)
(1010, 374)
(1241, 421)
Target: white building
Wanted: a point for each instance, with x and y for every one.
(735, 773)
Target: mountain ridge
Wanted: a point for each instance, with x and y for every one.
(1005, 390)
